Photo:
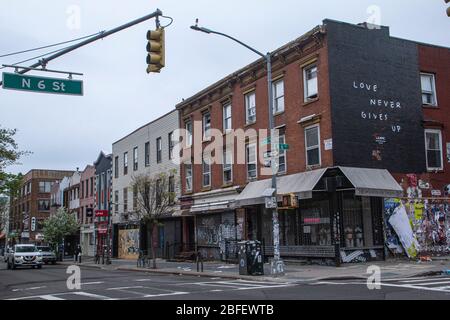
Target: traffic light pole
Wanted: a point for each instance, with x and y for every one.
(43, 62)
(277, 267)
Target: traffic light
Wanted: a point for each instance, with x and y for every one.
(448, 9)
(155, 49)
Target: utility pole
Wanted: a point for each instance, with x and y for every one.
(277, 267)
(43, 62)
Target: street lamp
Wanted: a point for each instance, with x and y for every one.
(277, 267)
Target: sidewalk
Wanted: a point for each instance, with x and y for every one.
(293, 272)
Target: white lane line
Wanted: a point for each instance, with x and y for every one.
(25, 289)
(50, 297)
(422, 280)
(432, 283)
(165, 294)
(125, 288)
(142, 280)
(90, 295)
(407, 286)
(267, 287)
(95, 282)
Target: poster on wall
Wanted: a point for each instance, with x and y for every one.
(400, 222)
(430, 223)
(128, 244)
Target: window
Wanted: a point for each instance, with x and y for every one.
(188, 127)
(92, 186)
(171, 145)
(310, 82)
(116, 167)
(433, 146)
(206, 172)
(135, 197)
(82, 189)
(135, 158)
(158, 150)
(428, 89)
(116, 201)
(312, 143)
(251, 161)
(282, 156)
(44, 205)
(188, 176)
(206, 125)
(448, 152)
(147, 154)
(171, 190)
(250, 107)
(44, 186)
(125, 163)
(278, 96)
(227, 166)
(227, 117)
(125, 200)
(158, 199)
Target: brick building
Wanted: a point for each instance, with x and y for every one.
(87, 201)
(357, 108)
(31, 206)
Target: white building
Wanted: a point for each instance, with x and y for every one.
(146, 150)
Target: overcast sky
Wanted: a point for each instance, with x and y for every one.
(65, 132)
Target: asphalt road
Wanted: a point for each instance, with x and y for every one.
(49, 283)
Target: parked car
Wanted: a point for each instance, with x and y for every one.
(48, 255)
(24, 255)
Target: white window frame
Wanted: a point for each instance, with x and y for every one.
(433, 85)
(158, 150)
(225, 118)
(311, 148)
(188, 124)
(308, 98)
(135, 158)
(147, 154)
(206, 163)
(439, 132)
(248, 107)
(226, 151)
(276, 97)
(247, 147)
(282, 153)
(206, 127)
(188, 177)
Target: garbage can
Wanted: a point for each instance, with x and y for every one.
(251, 261)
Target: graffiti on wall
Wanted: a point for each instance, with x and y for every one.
(218, 230)
(429, 220)
(129, 243)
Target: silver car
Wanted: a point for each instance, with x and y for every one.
(48, 255)
(24, 255)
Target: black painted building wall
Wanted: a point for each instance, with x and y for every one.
(375, 99)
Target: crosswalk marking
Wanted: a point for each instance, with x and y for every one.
(432, 283)
(90, 295)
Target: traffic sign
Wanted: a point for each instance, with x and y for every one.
(284, 146)
(14, 81)
(265, 141)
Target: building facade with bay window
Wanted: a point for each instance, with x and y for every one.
(360, 112)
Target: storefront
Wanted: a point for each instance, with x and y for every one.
(87, 240)
(217, 226)
(339, 217)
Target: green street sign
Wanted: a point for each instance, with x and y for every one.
(284, 146)
(265, 141)
(15, 81)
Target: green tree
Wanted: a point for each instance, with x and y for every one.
(155, 197)
(9, 155)
(58, 226)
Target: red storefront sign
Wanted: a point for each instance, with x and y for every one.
(101, 213)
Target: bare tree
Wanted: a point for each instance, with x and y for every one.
(155, 198)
